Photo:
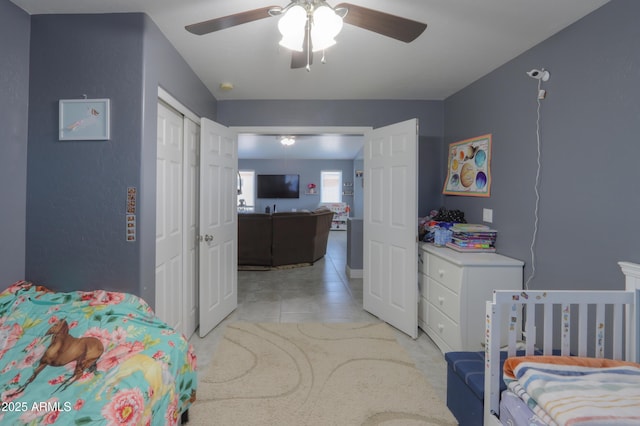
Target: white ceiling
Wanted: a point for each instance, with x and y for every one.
(464, 40)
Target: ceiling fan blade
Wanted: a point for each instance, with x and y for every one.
(388, 25)
(224, 22)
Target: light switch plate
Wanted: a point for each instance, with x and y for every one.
(487, 215)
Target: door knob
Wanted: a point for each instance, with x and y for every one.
(207, 238)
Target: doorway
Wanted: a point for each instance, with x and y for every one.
(390, 218)
(395, 304)
(335, 146)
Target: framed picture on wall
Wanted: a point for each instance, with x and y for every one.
(84, 119)
(469, 167)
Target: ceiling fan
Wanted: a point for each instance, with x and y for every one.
(311, 25)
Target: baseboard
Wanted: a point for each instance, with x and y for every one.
(354, 273)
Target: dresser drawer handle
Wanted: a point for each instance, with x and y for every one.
(440, 327)
(441, 272)
(441, 300)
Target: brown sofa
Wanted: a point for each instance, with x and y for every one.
(254, 239)
(283, 238)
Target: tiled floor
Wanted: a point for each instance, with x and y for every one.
(318, 293)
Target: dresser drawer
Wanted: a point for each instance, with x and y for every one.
(444, 272)
(442, 327)
(454, 287)
(444, 299)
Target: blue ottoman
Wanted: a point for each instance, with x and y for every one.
(465, 385)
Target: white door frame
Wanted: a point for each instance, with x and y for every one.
(307, 130)
(279, 130)
(177, 105)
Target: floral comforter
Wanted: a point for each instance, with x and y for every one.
(89, 358)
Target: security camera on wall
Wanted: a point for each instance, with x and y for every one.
(539, 74)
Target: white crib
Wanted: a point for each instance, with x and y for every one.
(599, 324)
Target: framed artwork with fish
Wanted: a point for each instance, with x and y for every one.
(469, 167)
(84, 119)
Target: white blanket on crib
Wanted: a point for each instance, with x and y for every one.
(578, 395)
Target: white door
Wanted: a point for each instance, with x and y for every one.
(191, 223)
(390, 225)
(169, 219)
(218, 224)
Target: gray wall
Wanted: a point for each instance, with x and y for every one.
(77, 189)
(358, 188)
(163, 67)
(590, 122)
(355, 113)
(309, 171)
(355, 243)
(14, 101)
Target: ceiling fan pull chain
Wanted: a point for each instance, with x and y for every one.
(308, 28)
(323, 60)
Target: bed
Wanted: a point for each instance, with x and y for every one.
(571, 356)
(98, 357)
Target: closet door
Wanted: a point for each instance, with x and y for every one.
(196, 229)
(169, 217)
(191, 223)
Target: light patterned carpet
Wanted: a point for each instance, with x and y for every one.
(314, 374)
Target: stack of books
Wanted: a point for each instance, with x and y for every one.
(468, 237)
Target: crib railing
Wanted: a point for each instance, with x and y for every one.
(543, 322)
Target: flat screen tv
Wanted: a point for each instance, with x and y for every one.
(278, 186)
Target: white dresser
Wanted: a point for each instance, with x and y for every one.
(453, 289)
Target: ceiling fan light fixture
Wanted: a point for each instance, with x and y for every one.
(287, 140)
(292, 25)
(325, 24)
(321, 42)
(292, 42)
(327, 21)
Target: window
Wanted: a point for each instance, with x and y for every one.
(247, 199)
(330, 186)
